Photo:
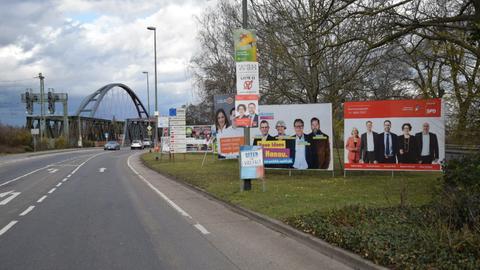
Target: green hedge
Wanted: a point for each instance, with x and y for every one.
(399, 238)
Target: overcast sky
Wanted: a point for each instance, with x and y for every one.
(81, 45)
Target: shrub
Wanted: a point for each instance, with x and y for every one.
(61, 143)
(458, 202)
(397, 237)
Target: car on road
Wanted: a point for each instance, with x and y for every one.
(147, 143)
(112, 145)
(136, 144)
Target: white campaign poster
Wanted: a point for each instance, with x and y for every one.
(297, 136)
(247, 78)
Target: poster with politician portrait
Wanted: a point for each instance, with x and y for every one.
(297, 136)
(229, 137)
(394, 135)
(246, 107)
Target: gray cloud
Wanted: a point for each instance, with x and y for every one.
(111, 45)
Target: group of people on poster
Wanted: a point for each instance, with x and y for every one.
(387, 147)
(306, 150)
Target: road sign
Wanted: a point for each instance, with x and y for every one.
(106, 135)
(149, 128)
(35, 131)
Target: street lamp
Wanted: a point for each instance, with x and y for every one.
(148, 94)
(156, 104)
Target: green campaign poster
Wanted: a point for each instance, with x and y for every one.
(245, 45)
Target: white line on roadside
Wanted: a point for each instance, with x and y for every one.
(42, 198)
(201, 228)
(59, 184)
(51, 190)
(175, 206)
(47, 166)
(6, 228)
(30, 208)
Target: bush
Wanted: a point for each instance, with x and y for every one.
(458, 202)
(398, 237)
(61, 143)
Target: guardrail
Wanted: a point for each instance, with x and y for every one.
(455, 151)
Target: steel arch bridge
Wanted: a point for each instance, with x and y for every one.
(91, 103)
(85, 126)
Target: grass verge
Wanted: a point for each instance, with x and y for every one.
(386, 219)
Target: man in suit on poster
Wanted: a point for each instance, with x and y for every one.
(427, 145)
(252, 115)
(388, 144)
(264, 129)
(301, 153)
(368, 142)
(320, 156)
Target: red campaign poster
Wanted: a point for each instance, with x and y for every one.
(394, 135)
(246, 110)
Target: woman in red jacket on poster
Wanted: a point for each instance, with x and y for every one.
(353, 147)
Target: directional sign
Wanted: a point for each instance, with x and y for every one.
(10, 196)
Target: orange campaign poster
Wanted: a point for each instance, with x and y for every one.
(394, 135)
(231, 145)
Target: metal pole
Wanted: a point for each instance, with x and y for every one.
(244, 14)
(247, 183)
(148, 94)
(156, 98)
(42, 108)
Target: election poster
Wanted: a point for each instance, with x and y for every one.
(248, 82)
(251, 162)
(229, 137)
(295, 136)
(246, 110)
(199, 138)
(394, 135)
(245, 42)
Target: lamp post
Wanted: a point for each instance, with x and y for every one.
(156, 104)
(148, 94)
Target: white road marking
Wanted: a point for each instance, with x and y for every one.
(30, 208)
(12, 196)
(20, 177)
(51, 190)
(44, 167)
(52, 170)
(102, 169)
(59, 184)
(42, 198)
(172, 204)
(64, 179)
(201, 228)
(69, 175)
(6, 228)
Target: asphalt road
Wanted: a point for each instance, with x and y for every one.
(104, 210)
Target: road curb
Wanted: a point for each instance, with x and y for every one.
(353, 260)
